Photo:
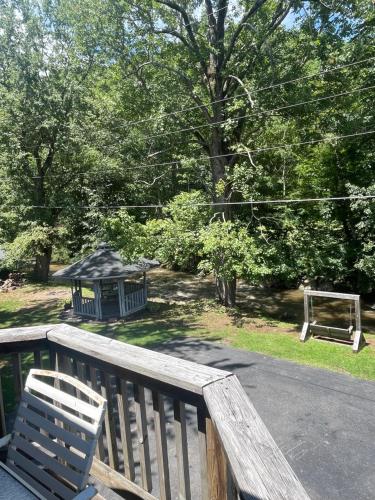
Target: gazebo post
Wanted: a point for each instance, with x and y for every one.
(98, 300)
(76, 296)
(145, 287)
(121, 297)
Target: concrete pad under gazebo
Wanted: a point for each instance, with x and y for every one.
(120, 289)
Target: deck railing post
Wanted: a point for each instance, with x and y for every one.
(17, 375)
(216, 465)
(3, 429)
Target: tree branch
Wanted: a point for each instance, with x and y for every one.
(174, 6)
(189, 83)
(257, 5)
(174, 33)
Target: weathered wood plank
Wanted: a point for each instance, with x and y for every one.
(17, 376)
(64, 399)
(43, 493)
(216, 465)
(3, 429)
(38, 473)
(202, 444)
(46, 460)
(161, 446)
(125, 429)
(332, 295)
(25, 334)
(37, 359)
(54, 447)
(93, 383)
(117, 481)
(143, 444)
(60, 415)
(169, 390)
(109, 421)
(161, 367)
(182, 455)
(55, 430)
(259, 468)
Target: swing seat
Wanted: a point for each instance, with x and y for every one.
(331, 331)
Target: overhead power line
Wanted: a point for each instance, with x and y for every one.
(245, 94)
(259, 150)
(260, 112)
(242, 153)
(280, 201)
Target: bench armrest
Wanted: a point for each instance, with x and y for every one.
(4, 441)
(86, 494)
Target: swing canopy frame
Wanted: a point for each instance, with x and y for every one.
(311, 327)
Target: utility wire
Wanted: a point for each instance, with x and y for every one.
(260, 112)
(280, 201)
(260, 89)
(249, 151)
(259, 150)
(281, 108)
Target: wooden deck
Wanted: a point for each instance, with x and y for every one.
(237, 455)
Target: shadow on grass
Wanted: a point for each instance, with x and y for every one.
(39, 314)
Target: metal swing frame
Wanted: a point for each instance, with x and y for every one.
(310, 326)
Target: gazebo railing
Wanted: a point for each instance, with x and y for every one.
(88, 306)
(83, 305)
(135, 301)
(158, 407)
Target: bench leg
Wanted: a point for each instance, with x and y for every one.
(305, 330)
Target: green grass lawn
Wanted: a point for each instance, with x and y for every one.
(36, 304)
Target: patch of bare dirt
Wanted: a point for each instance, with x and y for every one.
(30, 295)
(255, 303)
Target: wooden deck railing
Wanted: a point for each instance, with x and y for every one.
(174, 429)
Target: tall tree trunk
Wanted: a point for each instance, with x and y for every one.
(226, 291)
(42, 265)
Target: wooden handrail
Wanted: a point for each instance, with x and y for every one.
(179, 373)
(237, 452)
(259, 468)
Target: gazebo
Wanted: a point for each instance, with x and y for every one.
(119, 289)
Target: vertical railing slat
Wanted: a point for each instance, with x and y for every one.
(93, 383)
(143, 444)
(231, 487)
(125, 430)
(37, 359)
(216, 464)
(202, 444)
(161, 445)
(109, 421)
(17, 376)
(181, 450)
(3, 429)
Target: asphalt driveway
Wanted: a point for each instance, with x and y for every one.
(324, 422)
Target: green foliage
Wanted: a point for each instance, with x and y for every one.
(29, 244)
(88, 88)
(172, 239)
(177, 235)
(125, 234)
(230, 253)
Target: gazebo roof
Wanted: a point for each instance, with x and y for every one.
(104, 263)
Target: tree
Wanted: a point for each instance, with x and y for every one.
(230, 253)
(212, 69)
(216, 53)
(43, 71)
